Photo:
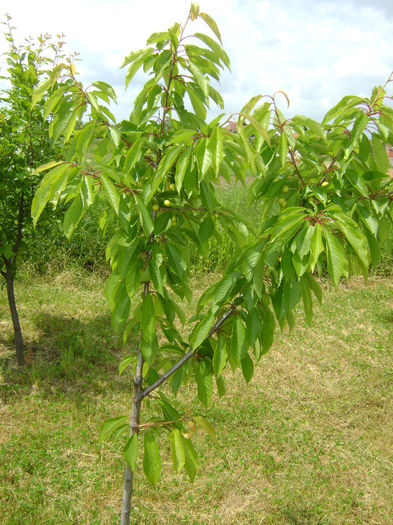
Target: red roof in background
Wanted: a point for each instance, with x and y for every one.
(231, 126)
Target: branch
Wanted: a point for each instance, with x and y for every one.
(293, 162)
(187, 356)
(334, 159)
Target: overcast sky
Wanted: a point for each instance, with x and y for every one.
(317, 51)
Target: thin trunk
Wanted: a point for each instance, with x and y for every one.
(18, 338)
(134, 428)
(134, 424)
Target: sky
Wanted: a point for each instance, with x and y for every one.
(317, 51)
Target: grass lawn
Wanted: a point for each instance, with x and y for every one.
(309, 441)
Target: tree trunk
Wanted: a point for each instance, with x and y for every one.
(18, 338)
(134, 426)
(128, 475)
(137, 399)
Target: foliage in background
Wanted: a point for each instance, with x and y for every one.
(24, 145)
(323, 189)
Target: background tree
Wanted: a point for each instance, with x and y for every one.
(24, 145)
(325, 195)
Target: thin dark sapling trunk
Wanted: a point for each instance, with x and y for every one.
(18, 338)
(8, 274)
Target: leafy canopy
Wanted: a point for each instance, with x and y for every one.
(326, 194)
(24, 142)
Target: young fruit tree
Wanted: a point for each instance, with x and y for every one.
(326, 199)
(24, 145)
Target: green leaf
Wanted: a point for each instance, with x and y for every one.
(219, 292)
(178, 455)
(196, 101)
(247, 108)
(288, 221)
(151, 459)
(238, 347)
(181, 167)
(130, 452)
(126, 362)
(380, 155)
(214, 46)
(136, 59)
(220, 357)
(191, 459)
(358, 127)
(155, 275)
(121, 308)
(145, 216)
(307, 300)
(133, 155)
(53, 100)
(355, 237)
(267, 334)
(111, 285)
(110, 426)
(176, 261)
(316, 245)
(314, 285)
(216, 97)
(105, 88)
(247, 368)
(216, 147)
(162, 36)
(115, 136)
(220, 386)
(111, 192)
(206, 426)
(199, 77)
(345, 103)
(182, 136)
(148, 328)
(194, 11)
(204, 382)
(283, 149)
(170, 158)
(56, 177)
(313, 125)
(207, 196)
(253, 326)
(40, 91)
(50, 165)
(73, 216)
(207, 161)
(337, 263)
(211, 23)
(201, 331)
(258, 127)
(206, 230)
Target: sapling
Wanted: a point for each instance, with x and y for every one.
(24, 145)
(325, 197)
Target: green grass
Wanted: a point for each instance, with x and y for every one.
(309, 441)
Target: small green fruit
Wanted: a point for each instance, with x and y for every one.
(325, 183)
(167, 203)
(172, 187)
(285, 189)
(156, 207)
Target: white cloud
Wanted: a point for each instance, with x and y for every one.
(317, 51)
